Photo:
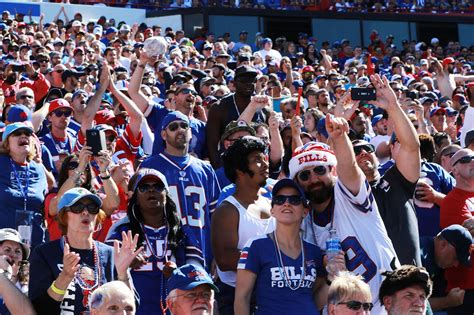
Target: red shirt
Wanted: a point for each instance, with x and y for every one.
(457, 207)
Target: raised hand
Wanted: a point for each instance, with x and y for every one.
(126, 252)
(336, 126)
(103, 160)
(346, 107)
(386, 97)
(70, 262)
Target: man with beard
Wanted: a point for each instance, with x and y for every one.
(445, 78)
(192, 183)
(342, 202)
(241, 216)
(394, 190)
(230, 108)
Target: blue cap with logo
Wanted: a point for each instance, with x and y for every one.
(146, 173)
(173, 116)
(19, 113)
(75, 194)
(189, 276)
(11, 128)
(376, 119)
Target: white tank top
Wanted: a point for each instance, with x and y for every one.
(249, 227)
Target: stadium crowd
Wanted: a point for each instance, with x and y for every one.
(152, 173)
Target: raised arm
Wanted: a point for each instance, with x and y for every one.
(407, 157)
(276, 142)
(135, 82)
(347, 170)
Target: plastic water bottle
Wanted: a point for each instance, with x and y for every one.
(333, 247)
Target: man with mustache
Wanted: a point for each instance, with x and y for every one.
(191, 291)
(193, 185)
(341, 200)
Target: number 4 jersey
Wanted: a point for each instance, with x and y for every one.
(194, 188)
(364, 239)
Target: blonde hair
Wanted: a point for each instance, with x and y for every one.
(345, 285)
(5, 149)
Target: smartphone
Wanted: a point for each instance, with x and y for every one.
(413, 95)
(363, 94)
(19, 68)
(96, 140)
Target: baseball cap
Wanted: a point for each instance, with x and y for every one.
(436, 110)
(12, 235)
(245, 71)
(173, 116)
(76, 24)
(78, 50)
(322, 76)
(461, 99)
(237, 125)
(457, 156)
(57, 104)
(448, 60)
(424, 62)
(461, 239)
(146, 173)
(125, 28)
(11, 128)
(106, 128)
(71, 73)
(189, 276)
(207, 81)
(376, 119)
(288, 182)
(104, 117)
(266, 40)
(243, 32)
(426, 99)
(307, 69)
(111, 30)
(297, 83)
(19, 113)
(467, 139)
(363, 81)
(75, 194)
(79, 92)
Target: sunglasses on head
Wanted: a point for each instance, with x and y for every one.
(65, 113)
(174, 126)
(319, 170)
(465, 159)
(356, 305)
(158, 187)
(292, 200)
(366, 147)
(188, 91)
(78, 207)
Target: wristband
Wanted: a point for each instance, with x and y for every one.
(56, 290)
(141, 66)
(78, 172)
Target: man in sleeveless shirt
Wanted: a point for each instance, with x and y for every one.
(241, 216)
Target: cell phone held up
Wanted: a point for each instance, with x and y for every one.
(96, 140)
(363, 94)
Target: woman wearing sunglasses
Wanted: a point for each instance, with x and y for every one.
(349, 295)
(153, 216)
(286, 272)
(65, 272)
(23, 182)
(75, 172)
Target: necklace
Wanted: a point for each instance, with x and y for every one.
(235, 104)
(86, 278)
(282, 268)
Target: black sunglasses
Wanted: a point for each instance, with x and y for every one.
(369, 148)
(319, 170)
(356, 305)
(465, 159)
(293, 200)
(92, 208)
(175, 126)
(188, 91)
(111, 138)
(143, 188)
(22, 97)
(21, 133)
(59, 113)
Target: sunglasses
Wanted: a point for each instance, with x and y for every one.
(59, 71)
(22, 97)
(60, 113)
(143, 188)
(19, 133)
(319, 170)
(292, 200)
(111, 138)
(175, 126)
(188, 91)
(92, 208)
(465, 159)
(369, 148)
(356, 305)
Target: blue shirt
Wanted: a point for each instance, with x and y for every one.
(274, 296)
(194, 188)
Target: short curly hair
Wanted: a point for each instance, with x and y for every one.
(404, 277)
